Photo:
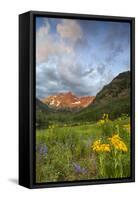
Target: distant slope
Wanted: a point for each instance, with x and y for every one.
(41, 106)
(114, 99)
(46, 116)
(42, 112)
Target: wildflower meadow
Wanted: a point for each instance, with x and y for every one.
(99, 150)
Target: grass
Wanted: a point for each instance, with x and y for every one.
(67, 154)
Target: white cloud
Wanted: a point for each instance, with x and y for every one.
(47, 46)
(69, 29)
(43, 31)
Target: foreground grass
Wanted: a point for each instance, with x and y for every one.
(66, 153)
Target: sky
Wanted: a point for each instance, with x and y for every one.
(80, 56)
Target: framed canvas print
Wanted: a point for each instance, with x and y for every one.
(76, 99)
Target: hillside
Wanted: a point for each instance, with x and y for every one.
(46, 115)
(41, 106)
(119, 87)
(113, 99)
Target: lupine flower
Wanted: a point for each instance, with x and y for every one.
(79, 169)
(42, 149)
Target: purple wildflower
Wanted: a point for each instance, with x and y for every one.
(79, 169)
(42, 149)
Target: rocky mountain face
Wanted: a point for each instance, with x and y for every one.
(68, 101)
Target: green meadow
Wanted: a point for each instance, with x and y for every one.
(99, 150)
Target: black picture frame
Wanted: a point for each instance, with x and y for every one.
(27, 98)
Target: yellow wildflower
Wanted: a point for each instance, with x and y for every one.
(118, 143)
(105, 117)
(99, 147)
(101, 122)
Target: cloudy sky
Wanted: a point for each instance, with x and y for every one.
(80, 56)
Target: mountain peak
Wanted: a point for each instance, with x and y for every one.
(68, 101)
(70, 93)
